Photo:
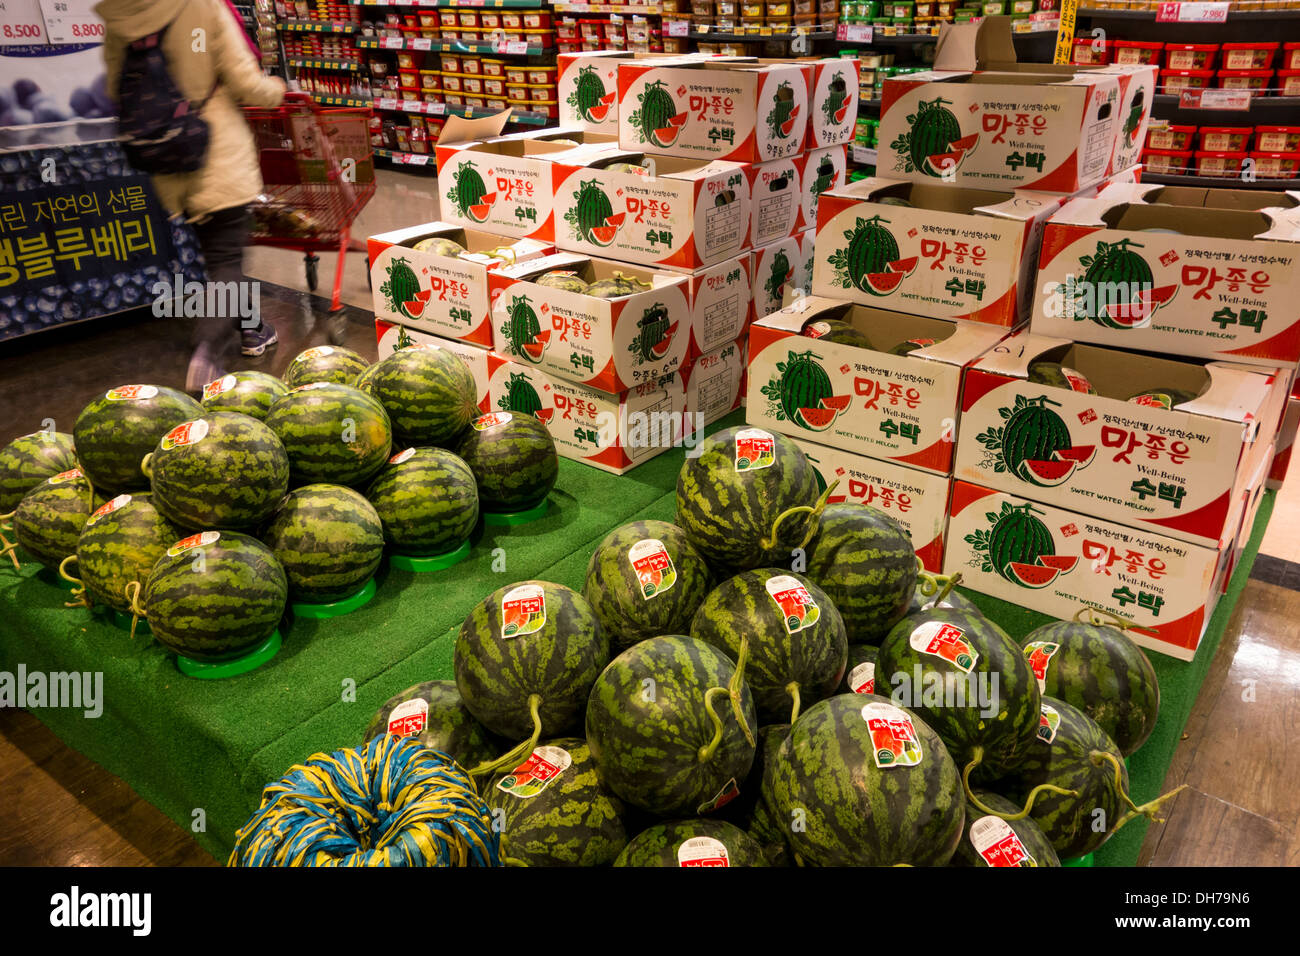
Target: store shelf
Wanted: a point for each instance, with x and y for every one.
(1094, 13)
(394, 105)
(310, 63)
(1268, 104)
(909, 39)
(329, 99)
(450, 46)
(1162, 179)
(318, 26)
(756, 37)
(427, 4)
(863, 155)
(869, 104)
(649, 9)
(405, 158)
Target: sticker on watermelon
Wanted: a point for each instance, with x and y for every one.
(1137, 313)
(947, 642)
(72, 474)
(703, 851)
(130, 393)
(1049, 721)
(531, 777)
(1047, 474)
(1039, 654)
(409, 718)
(1032, 575)
(523, 610)
(730, 791)
(218, 387)
(402, 456)
(893, 736)
(755, 449)
(862, 679)
(187, 433)
(200, 540)
(121, 501)
(997, 844)
(490, 420)
(796, 604)
(653, 567)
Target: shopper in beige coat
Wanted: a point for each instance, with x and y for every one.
(213, 65)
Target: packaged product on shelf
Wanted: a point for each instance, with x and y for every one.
(776, 274)
(820, 170)
(1175, 81)
(433, 277)
(1258, 81)
(1248, 56)
(1176, 138)
(1277, 139)
(918, 500)
(1138, 52)
(1168, 162)
(393, 336)
(1219, 162)
(1276, 165)
(715, 383)
(720, 298)
(1191, 56)
(776, 200)
(1288, 82)
(1224, 138)
(1055, 561)
(896, 401)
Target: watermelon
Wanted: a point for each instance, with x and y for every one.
(645, 579)
(863, 559)
(991, 839)
(838, 331)
(860, 671)
(870, 250)
(429, 394)
(796, 639)
(662, 731)
(587, 96)
(875, 785)
(1101, 671)
(1058, 376)
(1081, 455)
(1032, 432)
(215, 595)
(692, 843)
(435, 715)
(1114, 269)
(224, 470)
(525, 660)
(969, 681)
(119, 545)
(754, 811)
(50, 518)
(553, 809)
(27, 461)
(324, 363)
(329, 541)
(426, 500)
(252, 393)
(745, 499)
(1076, 756)
(333, 433)
(115, 431)
(513, 459)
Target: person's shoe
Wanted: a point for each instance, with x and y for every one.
(258, 340)
(202, 369)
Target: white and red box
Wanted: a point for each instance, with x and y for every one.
(721, 299)
(776, 199)
(588, 88)
(774, 271)
(820, 170)
(715, 383)
(1285, 442)
(391, 336)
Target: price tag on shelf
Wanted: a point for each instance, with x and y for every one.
(413, 106)
(421, 43)
(517, 47)
(72, 21)
(865, 155)
(677, 28)
(1192, 13)
(23, 22)
(855, 32)
(386, 103)
(417, 159)
(1236, 100)
(436, 108)
(392, 43)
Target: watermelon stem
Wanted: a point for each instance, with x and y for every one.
(977, 759)
(707, 751)
(8, 547)
(1099, 757)
(512, 757)
(78, 592)
(792, 689)
(814, 512)
(137, 612)
(937, 585)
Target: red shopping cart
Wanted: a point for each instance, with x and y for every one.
(318, 174)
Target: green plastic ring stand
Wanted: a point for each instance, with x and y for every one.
(123, 621)
(1086, 860)
(508, 518)
(216, 670)
(433, 562)
(320, 612)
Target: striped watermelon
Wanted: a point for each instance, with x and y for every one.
(429, 394)
(525, 660)
(426, 500)
(120, 544)
(869, 796)
(49, 519)
(435, 715)
(513, 459)
(796, 638)
(692, 843)
(328, 540)
(252, 393)
(333, 433)
(837, 331)
(993, 840)
(324, 363)
(224, 470)
(27, 461)
(1101, 671)
(116, 430)
(969, 681)
(753, 808)
(553, 810)
(650, 730)
(215, 595)
(731, 494)
(645, 579)
(864, 560)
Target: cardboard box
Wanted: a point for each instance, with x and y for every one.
(601, 343)
(955, 253)
(1253, 497)
(1177, 472)
(1226, 286)
(1201, 197)
(596, 108)
(451, 298)
(479, 361)
(776, 200)
(1285, 441)
(900, 408)
(685, 214)
(613, 432)
(821, 170)
(714, 109)
(721, 299)
(775, 271)
(917, 499)
(833, 103)
(715, 383)
(1167, 587)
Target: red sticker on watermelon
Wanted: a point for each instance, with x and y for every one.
(490, 420)
(218, 387)
(997, 844)
(945, 641)
(653, 567)
(129, 393)
(523, 610)
(193, 541)
(121, 501)
(409, 718)
(71, 474)
(187, 433)
(1048, 722)
(893, 736)
(401, 456)
(755, 449)
(798, 609)
(862, 679)
(1040, 655)
(532, 776)
(703, 851)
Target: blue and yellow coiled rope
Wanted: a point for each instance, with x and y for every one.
(390, 802)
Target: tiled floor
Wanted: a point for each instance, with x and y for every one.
(1239, 757)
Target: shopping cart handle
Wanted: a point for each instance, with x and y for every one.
(296, 96)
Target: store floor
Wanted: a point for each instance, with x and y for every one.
(1238, 757)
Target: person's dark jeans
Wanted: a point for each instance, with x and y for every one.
(222, 237)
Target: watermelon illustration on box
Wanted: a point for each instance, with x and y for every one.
(899, 408)
(776, 275)
(918, 500)
(713, 109)
(433, 277)
(686, 215)
(775, 199)
(833, 103)
(479, 361)
(1111, 273)
(820, 170)
(1175, 471)
(613, 432)
(951, 252)
(715, 383)
(588, 87)
(607, 324)
(1051, 560)
(720, 297)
